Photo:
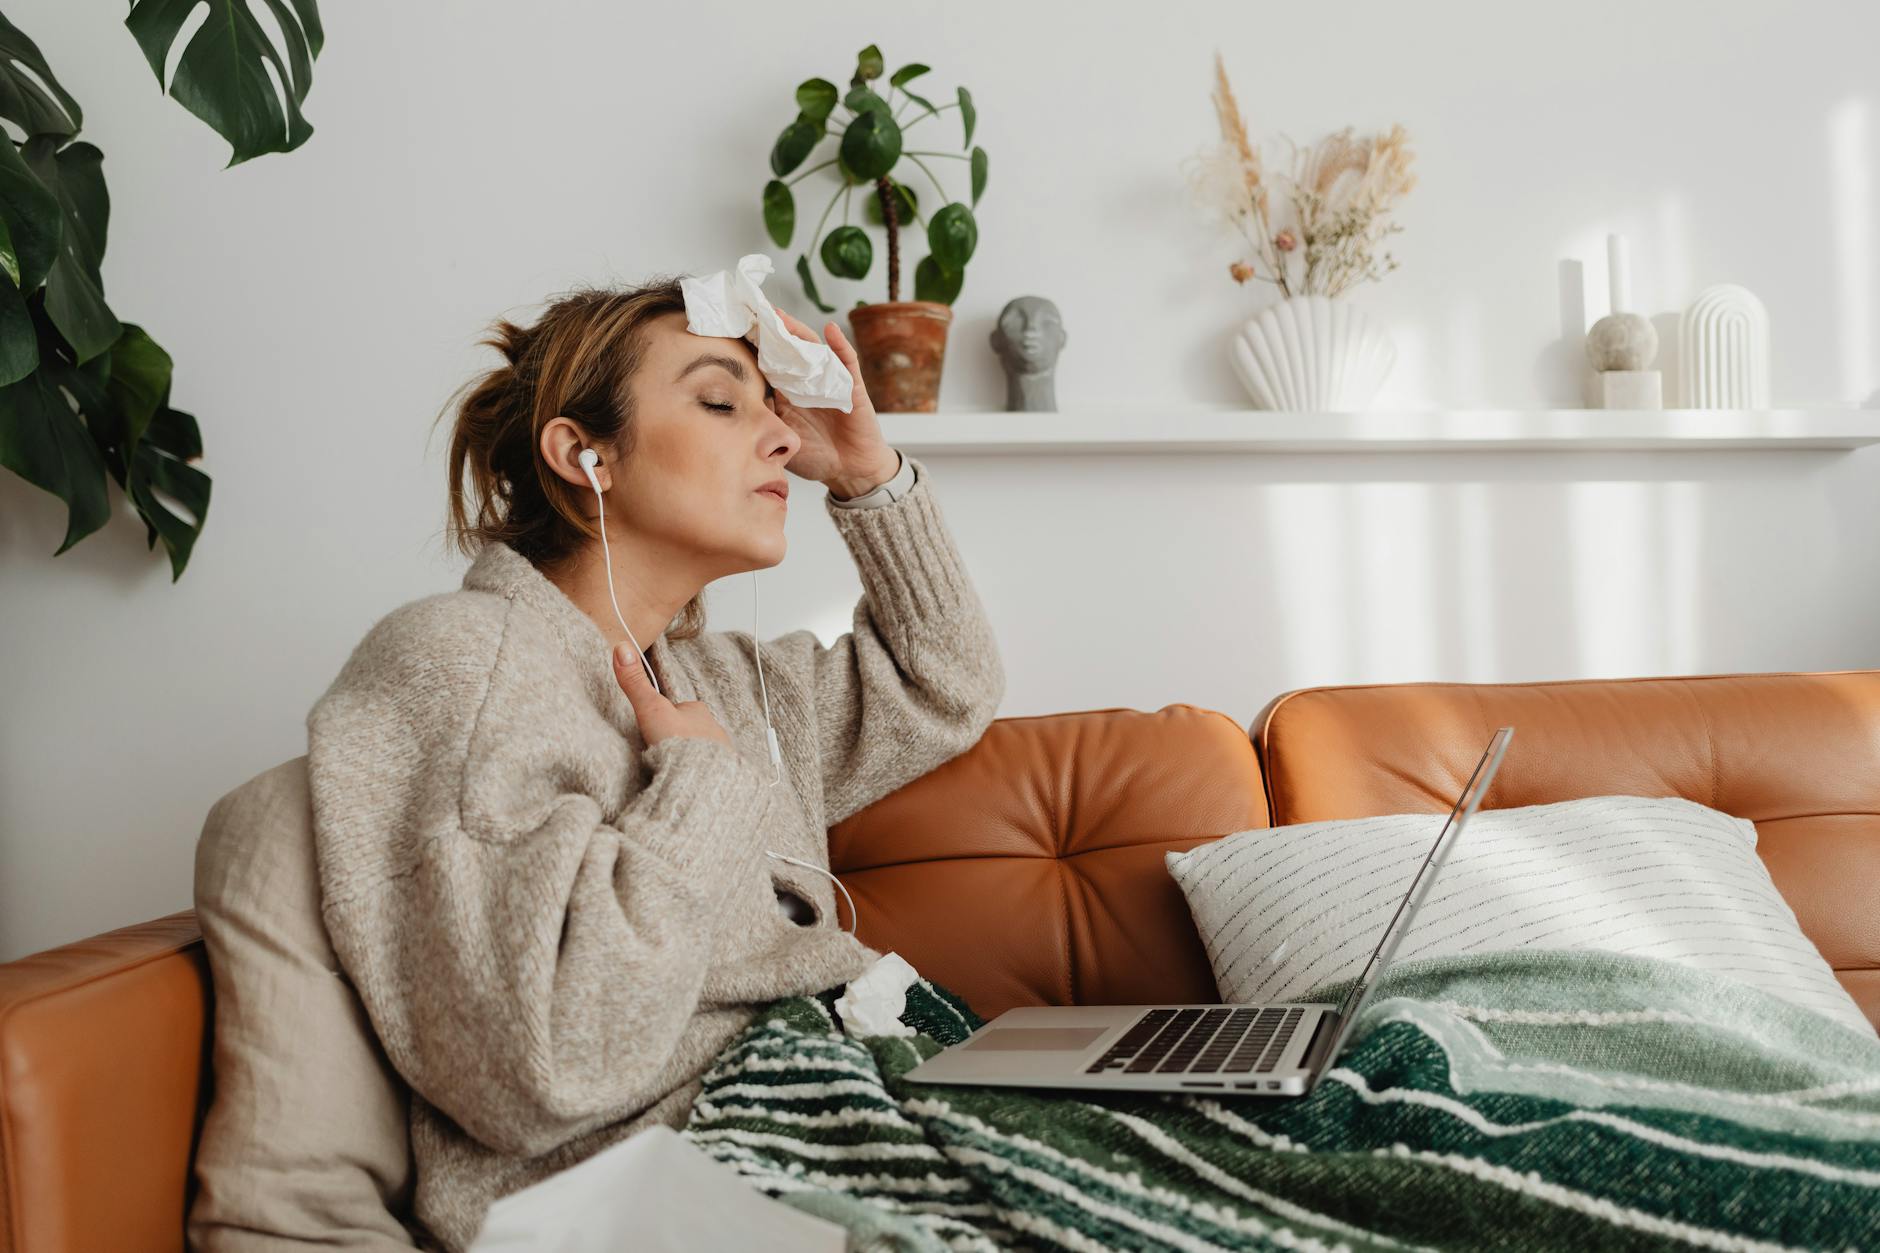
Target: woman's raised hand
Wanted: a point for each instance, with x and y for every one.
(845, 452)
(659, 718)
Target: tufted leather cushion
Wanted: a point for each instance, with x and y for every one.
(1797, 754)
(1028, 870)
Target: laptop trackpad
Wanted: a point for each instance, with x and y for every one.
(1037, 1038)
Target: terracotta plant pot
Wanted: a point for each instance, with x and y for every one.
(902, 344)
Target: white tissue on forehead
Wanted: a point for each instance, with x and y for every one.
(874, 1000)
(730, 304)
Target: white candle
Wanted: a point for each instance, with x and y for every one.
(1618, 273)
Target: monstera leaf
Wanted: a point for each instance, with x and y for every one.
(37, 105)
(84, 398)
(68, 425)
(223, 75)
(75, 284)
(151, 450)
(42, 441)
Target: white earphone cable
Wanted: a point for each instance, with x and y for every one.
(588, 459)
(819, 870)
(776, 754)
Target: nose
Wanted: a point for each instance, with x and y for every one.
(785, 438)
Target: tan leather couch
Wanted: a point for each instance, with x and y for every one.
(1026, 871)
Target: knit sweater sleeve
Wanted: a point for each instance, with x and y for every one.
(918, 678)
(529, 948)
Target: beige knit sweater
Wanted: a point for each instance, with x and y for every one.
(553, 928)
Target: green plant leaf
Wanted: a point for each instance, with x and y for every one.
(906, 205)
(223, 75)
(816, 98)
(968, 115)
(925, 104)
(907, 74)
(161, 464)
(19, 342)
(124, 396)
(867, 65)
(952, 234)
(863, 99)
(32, 216)
(779, 212)
(74, 284)
(932, 281)
(979, 174)
(847, 252)
(43, 441)
(922, 101)
(871, 145)
(87, 388)
(794, 144)
(140, 383)
(176, 432)
(37, 110)
(809, 284)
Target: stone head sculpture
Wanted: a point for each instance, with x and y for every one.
(1029, 335)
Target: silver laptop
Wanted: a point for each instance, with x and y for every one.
(1233, 1050)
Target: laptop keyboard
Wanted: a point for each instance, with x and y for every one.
(1222, 1040)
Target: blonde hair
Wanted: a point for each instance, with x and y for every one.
(577, 360)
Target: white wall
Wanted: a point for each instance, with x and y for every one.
(471, 158)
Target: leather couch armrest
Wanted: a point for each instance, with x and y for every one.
(103, 1066)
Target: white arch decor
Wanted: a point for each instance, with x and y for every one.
(1723, 350)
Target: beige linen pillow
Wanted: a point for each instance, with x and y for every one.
(305, 1140)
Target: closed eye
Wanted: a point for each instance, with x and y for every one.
(719, 408)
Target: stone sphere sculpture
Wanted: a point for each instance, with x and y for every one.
(1622, 341)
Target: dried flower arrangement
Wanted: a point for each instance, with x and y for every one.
(1333, 202)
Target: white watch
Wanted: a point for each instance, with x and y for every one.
(887, 493)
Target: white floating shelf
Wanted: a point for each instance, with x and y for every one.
(1192, 429)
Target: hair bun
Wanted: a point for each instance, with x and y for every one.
(511, 340)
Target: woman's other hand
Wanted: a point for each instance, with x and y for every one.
(659, 718)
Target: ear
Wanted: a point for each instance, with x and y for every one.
(560, 449)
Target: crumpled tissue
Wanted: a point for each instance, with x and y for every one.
(874, 1000)
(730, 303)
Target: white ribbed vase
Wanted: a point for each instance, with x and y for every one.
(1313, 354)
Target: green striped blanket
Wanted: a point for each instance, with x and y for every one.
(1511, 1100)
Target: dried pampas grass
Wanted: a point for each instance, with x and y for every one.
(1334, 201)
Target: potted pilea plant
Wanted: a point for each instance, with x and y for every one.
(85, 397)
(901, 343)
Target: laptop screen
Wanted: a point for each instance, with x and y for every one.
(1394, 931)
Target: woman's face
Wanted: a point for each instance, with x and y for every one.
(706, 442)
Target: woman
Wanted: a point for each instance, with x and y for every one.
(547, 879)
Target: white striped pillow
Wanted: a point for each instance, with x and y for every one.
(1283, 909)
